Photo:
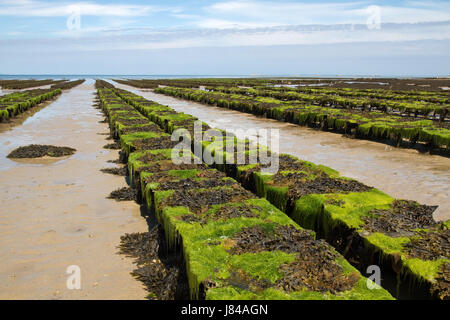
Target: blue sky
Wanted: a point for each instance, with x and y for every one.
(325, 37)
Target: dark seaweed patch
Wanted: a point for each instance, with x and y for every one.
(290, 179)
(223, 213)
(334, 202)
(124, 194)
(131, 121)
(404, 216)
(433, 245)
(112, 146)
(441, 287)
(230, 212)
(243, 280)
(191, 218)
(116, 161)
(284, 238)
(169, 165)
(122, 171)
(288, 163)
(314, 268)
(187, 184)
(151, 127)
(160, 271)
(152, 157)
(165, 177)
(155, 143)
(430, 245)
(199, 201)
(38, 151)
(320, 185)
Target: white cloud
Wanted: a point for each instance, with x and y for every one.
(147, 39)
(240, 23)
(271, 12)
(229, 24)
(47, 9)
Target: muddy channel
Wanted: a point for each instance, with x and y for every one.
(402, 173)
(54, 212)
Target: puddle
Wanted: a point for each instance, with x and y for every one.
(42, 161)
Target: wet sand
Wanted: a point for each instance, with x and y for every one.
(22, 117)
(402, 173)
(54, 212)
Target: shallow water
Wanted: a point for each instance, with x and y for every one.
(402, 173)
(53, 212)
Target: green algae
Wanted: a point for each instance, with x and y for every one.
(311, 209)
(263, 265)
(208, 263)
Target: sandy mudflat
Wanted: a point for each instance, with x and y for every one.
(401, 173)
(53, 212)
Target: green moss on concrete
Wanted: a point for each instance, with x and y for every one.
(318, 209)
(263, 265)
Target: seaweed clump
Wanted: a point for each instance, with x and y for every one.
(315, 266)
(403, 217)
(323, 184)
(161, 271)
(122, 171)
(163, 142)
(150, 127)
(39, 151)
(166, 177)
(441, 287)
(434, 245)
(195, 184)
(124, 194)
(283, 238)
(431, 245)
(199, 200)
(232, 212)
(112, 146)
(225, 212)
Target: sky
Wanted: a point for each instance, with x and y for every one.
(249, 37)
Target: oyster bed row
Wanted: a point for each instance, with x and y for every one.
(325, 115)
(15, 103)
(235, 245)
(363, 223)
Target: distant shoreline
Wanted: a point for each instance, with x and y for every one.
(131, 76)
